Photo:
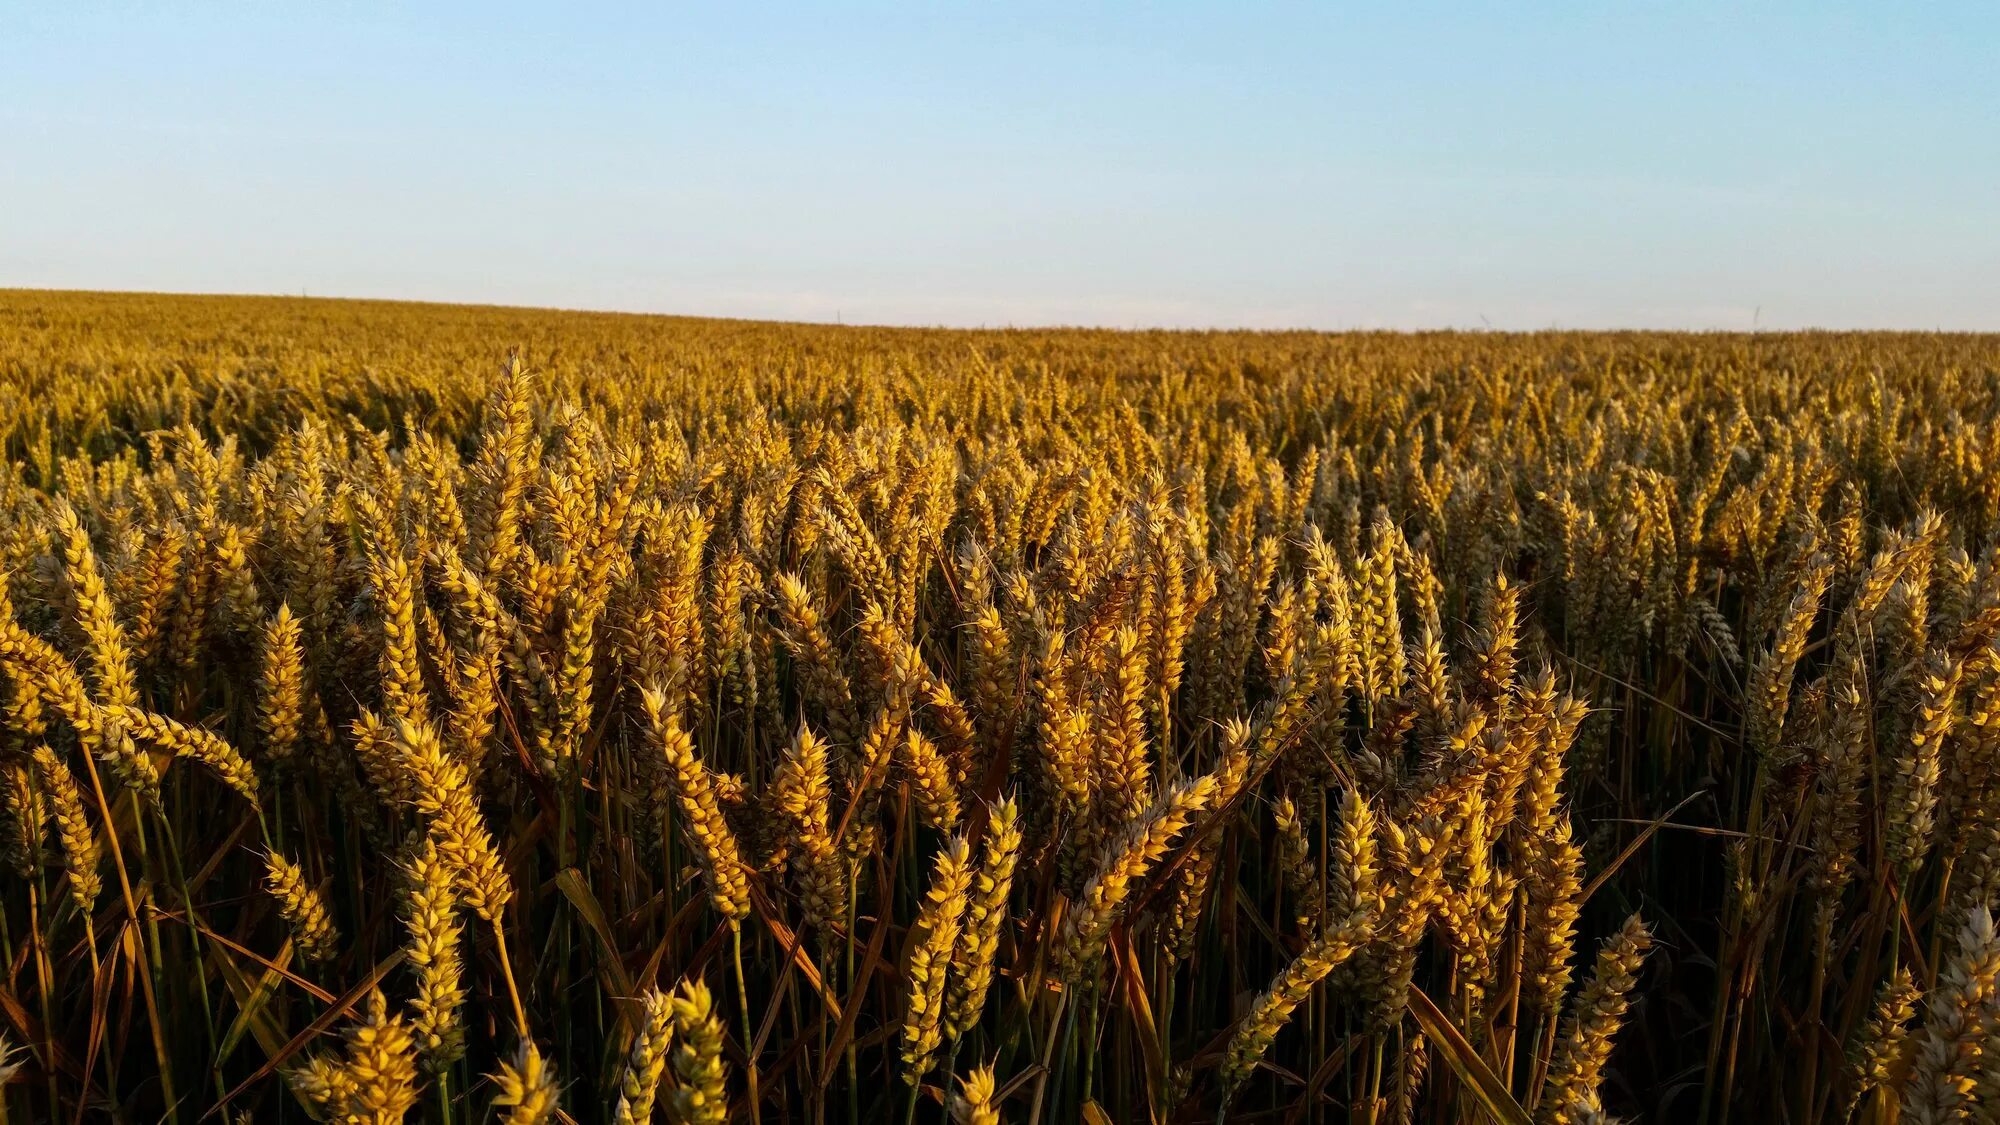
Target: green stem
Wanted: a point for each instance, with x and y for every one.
(743, 1006)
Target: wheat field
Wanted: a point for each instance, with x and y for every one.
(439, 714)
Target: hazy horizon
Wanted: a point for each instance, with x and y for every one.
(1263, 167)
(503, 306)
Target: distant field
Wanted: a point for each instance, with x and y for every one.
(444, 714)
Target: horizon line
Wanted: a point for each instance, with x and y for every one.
(938, 327)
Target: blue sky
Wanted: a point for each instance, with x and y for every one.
(1332, 166)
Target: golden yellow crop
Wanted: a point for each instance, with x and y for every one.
(410, 713)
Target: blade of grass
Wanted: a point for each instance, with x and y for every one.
(1465, 1062)
(571, 884)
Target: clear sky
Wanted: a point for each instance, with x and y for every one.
(1312, 165)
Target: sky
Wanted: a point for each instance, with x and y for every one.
(1644, 165)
